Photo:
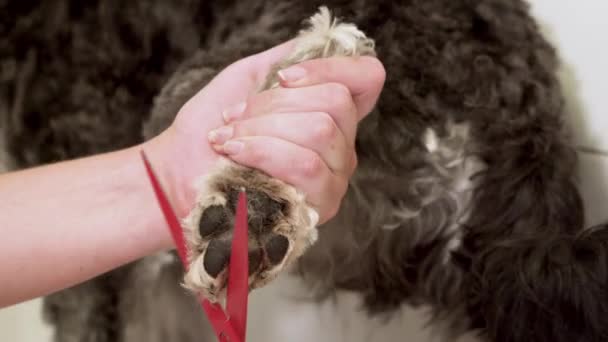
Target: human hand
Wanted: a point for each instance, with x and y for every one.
(304, 131)
(301, 133)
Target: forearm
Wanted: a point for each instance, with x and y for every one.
(68, 222)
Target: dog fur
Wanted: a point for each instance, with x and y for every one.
(464, 198)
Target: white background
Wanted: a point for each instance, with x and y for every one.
(579, 30)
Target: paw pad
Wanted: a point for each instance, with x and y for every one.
(280, 224)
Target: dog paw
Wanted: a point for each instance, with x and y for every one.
(281, 227)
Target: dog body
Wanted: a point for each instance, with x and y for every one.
(463, 200)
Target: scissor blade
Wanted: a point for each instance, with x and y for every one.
(170, 217)
(238, 276)
(222, 325)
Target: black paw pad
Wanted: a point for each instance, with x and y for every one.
(276, 249)
(215, 220)
(217, 256)
(266, 248)
(264, 212)
(255, 260)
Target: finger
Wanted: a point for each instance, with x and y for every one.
(363, 76)
(332, 98)
(244, 76)
(321, 135)
(293, 164)
(260, 64)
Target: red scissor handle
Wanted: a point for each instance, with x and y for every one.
(231, 327)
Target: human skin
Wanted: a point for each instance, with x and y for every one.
(68, 222)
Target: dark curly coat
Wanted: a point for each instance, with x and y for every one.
(471, 98)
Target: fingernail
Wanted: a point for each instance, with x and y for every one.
(233, 147)
(234, 112)
(220, 135)
(292, 74)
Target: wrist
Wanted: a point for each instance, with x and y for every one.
(174, 167)
(136, 177)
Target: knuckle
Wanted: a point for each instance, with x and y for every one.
(265, 101)
(377, 72)
(311, 166)
(238, 129)
(331, 213)
(339, 96)
(336, 208)
(255, 154)
(275, 98)
(325, 128)
(333, 209)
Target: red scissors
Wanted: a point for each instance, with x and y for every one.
(230, 327)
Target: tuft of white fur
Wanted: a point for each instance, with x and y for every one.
(450, 179)
(325, 36)
(431, 142)
(325, 30)
(450, 157)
